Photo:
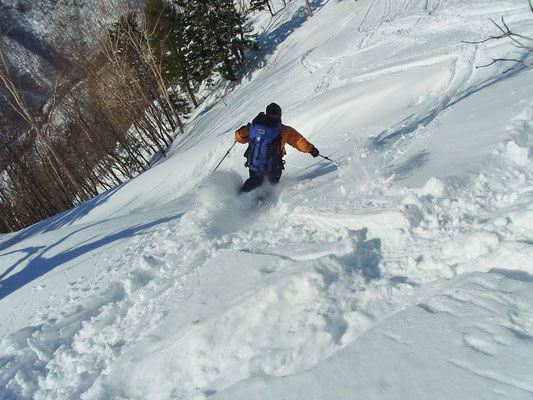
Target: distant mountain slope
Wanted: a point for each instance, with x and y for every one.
(36, 37)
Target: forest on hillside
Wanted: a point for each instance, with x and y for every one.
(122, 102)
(127, 77)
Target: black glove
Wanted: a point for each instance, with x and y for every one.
(314, 152)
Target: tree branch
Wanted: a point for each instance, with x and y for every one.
(513, 36)
(495, 60)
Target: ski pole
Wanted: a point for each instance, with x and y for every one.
(224, 157)
(327, 158)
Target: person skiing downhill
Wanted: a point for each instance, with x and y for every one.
(266, 137)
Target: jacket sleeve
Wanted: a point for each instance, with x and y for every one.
(296, 140)
(241, 134)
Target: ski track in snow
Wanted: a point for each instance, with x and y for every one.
(338, 287)
(314, 273)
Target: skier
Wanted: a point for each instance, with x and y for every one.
(266, 137)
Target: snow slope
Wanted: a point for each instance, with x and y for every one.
(401, 270)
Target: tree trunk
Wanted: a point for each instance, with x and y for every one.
(190, 93)
(309, 9)
(77, 185)
(270, 8)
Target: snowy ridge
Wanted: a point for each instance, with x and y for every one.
(401, 270)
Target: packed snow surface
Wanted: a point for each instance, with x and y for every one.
(402, 270)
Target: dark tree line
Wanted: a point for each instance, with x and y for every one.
(119, 108)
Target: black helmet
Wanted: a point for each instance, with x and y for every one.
(274, 110)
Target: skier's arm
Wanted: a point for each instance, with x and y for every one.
(241, 134)
(296, 140)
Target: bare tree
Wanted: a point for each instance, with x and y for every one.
(309, 9)
(139, 38)
(518, 40)
(18, 104)
(105, 120)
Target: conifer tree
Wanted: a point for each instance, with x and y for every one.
(169, 26)
(200, 37)
(224, 35)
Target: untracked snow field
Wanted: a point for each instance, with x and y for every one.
(402, 270)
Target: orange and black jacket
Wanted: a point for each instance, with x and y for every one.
(289, 136)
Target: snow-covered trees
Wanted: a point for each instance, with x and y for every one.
(197, 39)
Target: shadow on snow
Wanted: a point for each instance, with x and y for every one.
(315, 170)
(39, 265)
(60, 220)
(268, 42)
(413, 122)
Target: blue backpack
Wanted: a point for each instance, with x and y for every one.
(264, 148)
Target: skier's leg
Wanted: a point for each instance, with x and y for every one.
(255, 180)
(274, 177)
